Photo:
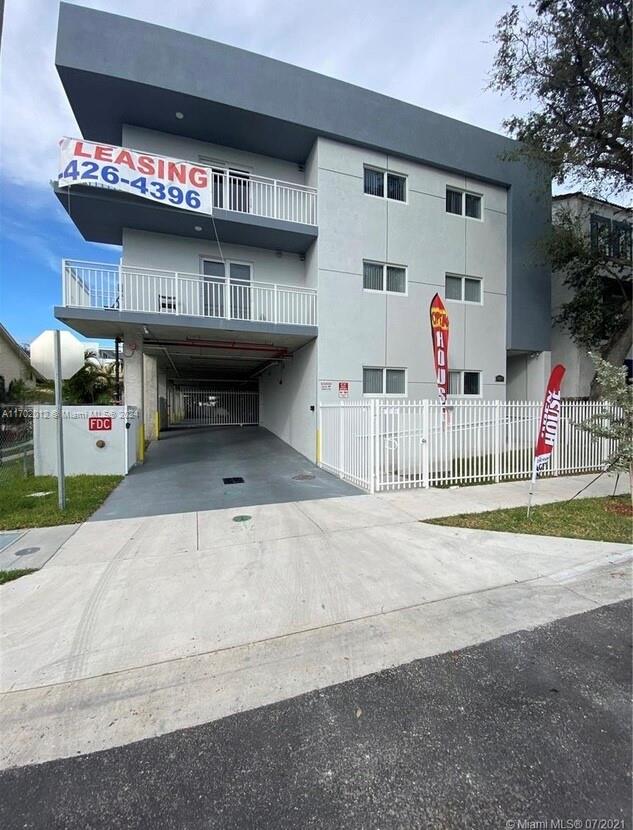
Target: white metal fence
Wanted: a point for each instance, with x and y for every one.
(392, 444)
(261, 196)
(132, 288)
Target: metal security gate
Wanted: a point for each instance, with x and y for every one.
(208, 406)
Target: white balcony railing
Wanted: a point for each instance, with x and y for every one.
(247, 193)
(132, 288)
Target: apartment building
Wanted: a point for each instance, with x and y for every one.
(336, 215)
(608, 228)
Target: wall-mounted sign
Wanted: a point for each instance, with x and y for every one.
(326, 385)
(99, 424)
(169, 181)
(343, 389)
(439, 333)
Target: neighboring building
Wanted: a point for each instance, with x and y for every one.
(15, 364)
(101, 355)
(608, 226)
(337, 215)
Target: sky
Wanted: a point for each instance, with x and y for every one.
(427, 52)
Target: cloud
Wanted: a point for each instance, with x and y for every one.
(431, 54)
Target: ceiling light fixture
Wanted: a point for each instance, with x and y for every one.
(179, 116)
(197, 228)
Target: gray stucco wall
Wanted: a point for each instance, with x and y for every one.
(112, 66)
(177, 253)
(360, 328)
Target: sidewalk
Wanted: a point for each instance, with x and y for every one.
(437, 502)
(141, 626)
(33, 547)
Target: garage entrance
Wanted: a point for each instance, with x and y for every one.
(217, 467)
(207, 405)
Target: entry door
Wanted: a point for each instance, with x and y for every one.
(213, 287)
(239, 191)
(240, 277)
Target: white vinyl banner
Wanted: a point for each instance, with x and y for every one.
(165, 180)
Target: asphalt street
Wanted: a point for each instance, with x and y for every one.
(531, 726)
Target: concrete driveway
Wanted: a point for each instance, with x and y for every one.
(144, 625)
(185, 470)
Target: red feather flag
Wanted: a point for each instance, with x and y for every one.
(439, 333)
(548, 426)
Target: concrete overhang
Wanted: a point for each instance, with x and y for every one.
(110, 323)
(118, 71)
(100, 216)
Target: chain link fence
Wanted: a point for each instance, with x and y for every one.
(16, 442)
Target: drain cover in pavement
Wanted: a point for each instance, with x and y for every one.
(233, 480)
(303, 477)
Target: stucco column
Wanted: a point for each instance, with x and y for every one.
(150, 407)
(537, 371)
(134, 386)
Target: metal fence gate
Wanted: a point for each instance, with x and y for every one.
(209, 406)
(392, 444)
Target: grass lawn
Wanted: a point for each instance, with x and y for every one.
(7, 576)
(606, 519)
(19, 510)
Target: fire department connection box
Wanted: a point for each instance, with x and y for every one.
(96, 440)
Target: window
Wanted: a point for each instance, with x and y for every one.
(610, 238)
(463, 289)
(453, 288)
(463, 204)
(453, 201)
(600, 235)
(622, 240)
(473, 206)
(378, 276)
(396, 187)
(384, 381)
(464, 383)
(374, 184)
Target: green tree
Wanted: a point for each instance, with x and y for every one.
(598, 313)
(615, 422)
(570, 60)
(92, 384)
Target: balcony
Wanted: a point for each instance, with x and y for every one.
(247, 210)
(259, 196)
(115, 292)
